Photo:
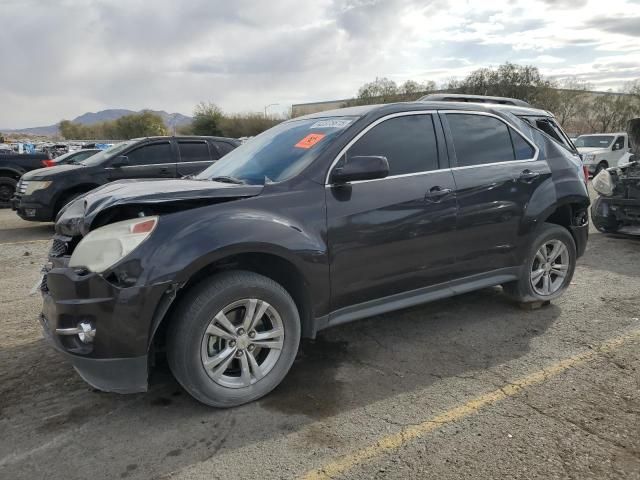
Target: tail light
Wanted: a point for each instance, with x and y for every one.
(585, 170)
(48, 163)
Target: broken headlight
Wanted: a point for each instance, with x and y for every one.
(103, 247)
(603, 183)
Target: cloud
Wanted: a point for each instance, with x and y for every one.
(63, 58)
(621, 25)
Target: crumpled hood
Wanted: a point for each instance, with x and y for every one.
(77, 216)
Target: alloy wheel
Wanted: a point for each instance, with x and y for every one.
(242, 343)
(549, 267)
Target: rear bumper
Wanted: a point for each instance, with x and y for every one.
(581, 236)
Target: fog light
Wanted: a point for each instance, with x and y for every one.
(30, 212)
(85, 331)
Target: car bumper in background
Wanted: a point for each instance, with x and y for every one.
(611, 212)
(33, 211)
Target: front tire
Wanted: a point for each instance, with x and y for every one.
(548, 268)
(7, 190)
(233, 338)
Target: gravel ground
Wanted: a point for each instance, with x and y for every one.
(353, 392)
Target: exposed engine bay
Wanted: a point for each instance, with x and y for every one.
(618, 203)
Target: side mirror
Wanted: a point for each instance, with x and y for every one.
(120, 161)
(361, 168)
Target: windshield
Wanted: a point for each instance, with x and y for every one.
(278, 153)
(594, 141)
(110, 152)
(74, 157)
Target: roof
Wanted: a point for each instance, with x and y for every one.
(187, 137)
(460, 97)
(598, 134)
(363, 110)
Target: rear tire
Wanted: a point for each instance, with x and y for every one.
(233, 338)
(7, 190)
(548, 268)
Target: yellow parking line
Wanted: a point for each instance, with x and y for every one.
(25, 241)
(408, 434)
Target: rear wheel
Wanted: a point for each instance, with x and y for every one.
(233, 338)
(548, 269)
(7, 189)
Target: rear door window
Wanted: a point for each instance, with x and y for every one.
(480, 139)
(408, 142)
(194, 151)
(151, 154)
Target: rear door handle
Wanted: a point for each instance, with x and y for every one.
(436, 194)
(528, 176)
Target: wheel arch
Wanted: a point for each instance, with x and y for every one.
(276, 267)
(11, 173)
(81, 188)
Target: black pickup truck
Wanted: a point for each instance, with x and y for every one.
(12, 167)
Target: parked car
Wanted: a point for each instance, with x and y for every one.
(600, 151)
(42, 193)
(73, 157)
(12, 167)
(318, 221)
(618, 202)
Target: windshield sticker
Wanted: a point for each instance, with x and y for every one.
(335, 123)
(310, 140)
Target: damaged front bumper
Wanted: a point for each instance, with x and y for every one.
(116, 358)
(611, 213)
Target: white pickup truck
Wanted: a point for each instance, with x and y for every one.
(602, 150)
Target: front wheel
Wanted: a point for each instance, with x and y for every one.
(7, 189)
(548, 268)
(233, 338)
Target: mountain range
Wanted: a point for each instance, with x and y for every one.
(89, 118)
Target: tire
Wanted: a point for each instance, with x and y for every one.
(199, 334)
(526, 289)
(7, 189)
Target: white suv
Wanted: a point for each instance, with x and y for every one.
(603, 150)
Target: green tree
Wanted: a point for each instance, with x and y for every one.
(207, 119)
(144, 124)
(510, 80)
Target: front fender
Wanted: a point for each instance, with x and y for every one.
(186, 242)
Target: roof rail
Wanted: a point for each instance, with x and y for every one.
(460, 97)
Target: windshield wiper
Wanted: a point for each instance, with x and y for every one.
(226, 179)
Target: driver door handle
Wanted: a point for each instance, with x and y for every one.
(436, 194)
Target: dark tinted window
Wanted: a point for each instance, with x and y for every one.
(523, 149)
(194, 151)
(479, 139)
(619, 145)
(151, 154)
(408, 142)
(224, 147)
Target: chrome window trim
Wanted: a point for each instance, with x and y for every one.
(196, 161)
(364, 131)
(432, 112)
(509, 124)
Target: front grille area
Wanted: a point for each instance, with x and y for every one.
(59, 247)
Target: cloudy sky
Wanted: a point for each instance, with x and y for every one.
(61, 58)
